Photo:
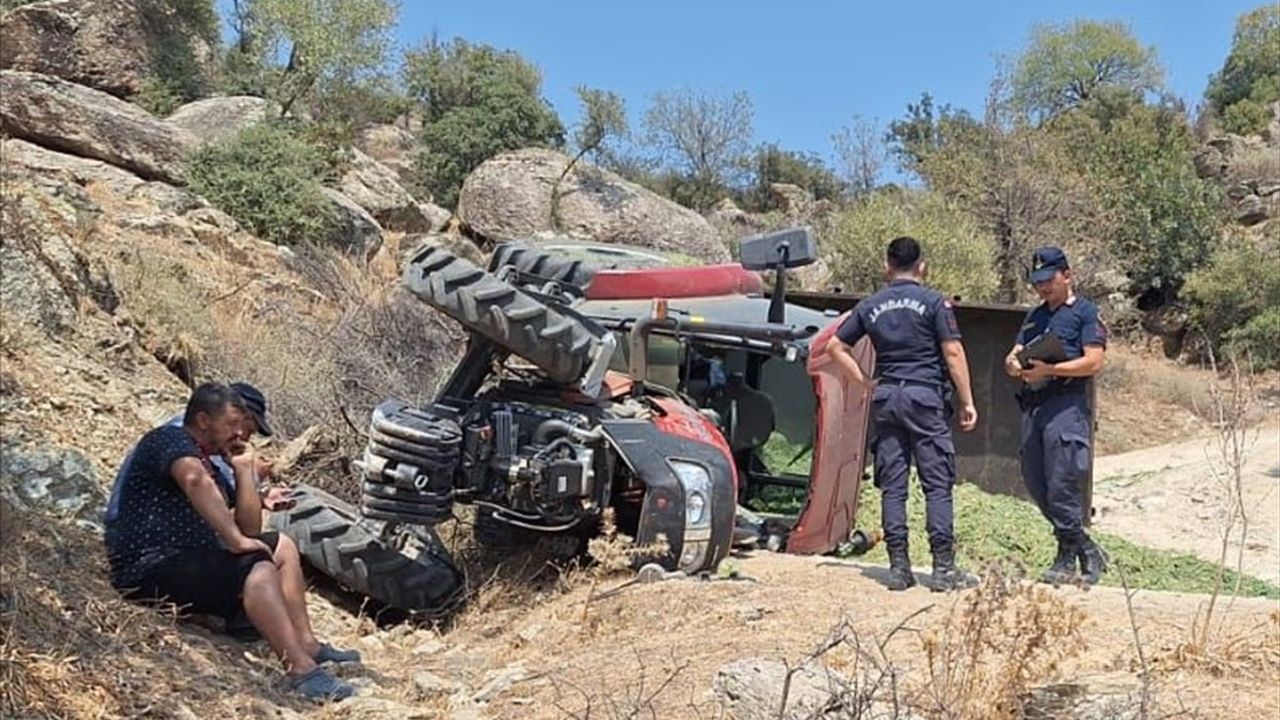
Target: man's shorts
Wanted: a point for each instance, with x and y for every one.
(208, 581)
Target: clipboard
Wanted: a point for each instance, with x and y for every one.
(1046, 347)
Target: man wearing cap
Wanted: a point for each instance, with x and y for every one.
(253, 422)
(179, 531)
(918, 349)
(1056, 421)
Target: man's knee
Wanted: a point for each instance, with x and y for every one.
(262, 576)
(286, 552)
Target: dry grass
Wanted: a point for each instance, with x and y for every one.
(996, 644)
(1262, 163)
(70, 648)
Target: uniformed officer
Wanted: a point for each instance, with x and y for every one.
(1056, 427)
(914, 332)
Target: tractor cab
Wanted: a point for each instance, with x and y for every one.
(757, 367)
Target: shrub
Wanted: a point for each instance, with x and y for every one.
(1235, 299)
(268, 179)
(960, 256)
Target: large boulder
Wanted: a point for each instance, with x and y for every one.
(215, 118)
(752, 689)
(509, 198)
(109, 45)
(354, 229)
(61, 481)
(71, 118)
(65, 169)
(374, 187)
(391, 145)
(42, 277)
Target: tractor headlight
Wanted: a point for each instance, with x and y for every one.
(697, 492)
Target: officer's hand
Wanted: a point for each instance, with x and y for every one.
(968, 418)
(1039, 370)
(1012, 367)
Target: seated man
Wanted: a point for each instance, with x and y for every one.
(175, 537)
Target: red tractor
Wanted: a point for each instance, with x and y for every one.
(599, 378)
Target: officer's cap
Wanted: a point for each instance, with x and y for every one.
(1045, 262)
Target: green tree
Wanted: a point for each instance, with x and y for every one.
(1158, 219)
(772, 164)
(1064, 66)
(287, 49)
(1018, 185)
(604, 116)
(1249, 81)
(1235, 299)
(959, 252)
(703, 138)
(861, 150)
(925, 130)
(477, 102)
(268, 179)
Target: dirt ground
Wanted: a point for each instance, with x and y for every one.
(658, 647)
(1171, 496)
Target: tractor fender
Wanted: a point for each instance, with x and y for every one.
(648, 447)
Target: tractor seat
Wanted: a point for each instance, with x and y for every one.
(748, 414)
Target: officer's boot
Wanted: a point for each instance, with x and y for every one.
(1063, 570)
(1093, 561)
(900, 575)
(946, 576)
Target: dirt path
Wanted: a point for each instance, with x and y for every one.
(575, 653)
(1167, 497)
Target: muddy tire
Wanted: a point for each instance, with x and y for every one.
(334, 541)
(560, 345)
(533, 261)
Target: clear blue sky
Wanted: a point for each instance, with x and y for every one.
(808, 66)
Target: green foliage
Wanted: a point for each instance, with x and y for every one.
(704, 141)
(1235, 299)
(604, 116)
(7, 5)
(772, 164)
(991, 528)
(925, 130)
(1158, 219)
(268, 179)
(1064, 66)
(1250, 77)
(478, 102)
(179, 33)
(289, 48)
(959, 254)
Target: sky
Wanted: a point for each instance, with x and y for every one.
(809, 67)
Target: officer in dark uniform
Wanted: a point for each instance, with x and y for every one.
(917, 344)
(1056, 424)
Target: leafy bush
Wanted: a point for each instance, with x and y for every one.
(1235, 299)
(1250, 78)
(960, 255)
(478, 102)
(268, 179)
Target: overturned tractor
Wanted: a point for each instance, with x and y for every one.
(591, 383)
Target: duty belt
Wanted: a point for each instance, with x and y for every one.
(1028, 398)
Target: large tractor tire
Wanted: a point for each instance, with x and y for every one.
(559, 344)
(418, 578)
(530, 260)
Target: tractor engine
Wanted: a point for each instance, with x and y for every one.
(524, 465)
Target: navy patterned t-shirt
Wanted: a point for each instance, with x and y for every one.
(157, 520)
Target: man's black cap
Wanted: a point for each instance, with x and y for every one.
(1045, 262)
(255, 403)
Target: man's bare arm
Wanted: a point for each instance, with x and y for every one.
(1012, 367)
(958, 367)
(248, 512)
(842, 355)
(201, 489)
